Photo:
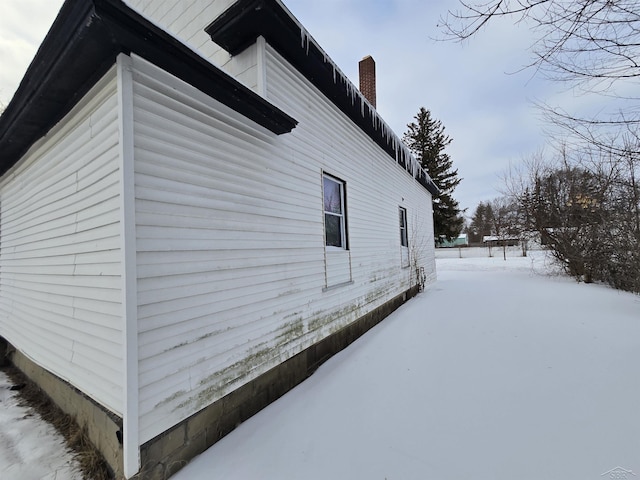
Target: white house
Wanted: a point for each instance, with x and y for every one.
(197, 208)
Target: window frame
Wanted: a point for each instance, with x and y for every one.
(344, 237)
(404, 227)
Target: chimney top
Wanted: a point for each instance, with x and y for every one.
(367, 67)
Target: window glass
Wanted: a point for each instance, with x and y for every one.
(332, 196)
(404, 240)
(334, 218)
(333, 231)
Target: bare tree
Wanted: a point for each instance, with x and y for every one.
(593, 45)
(581, 40)
(505, 222)
(585, 207)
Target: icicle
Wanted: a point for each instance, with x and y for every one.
(304, 39)
(351, 91)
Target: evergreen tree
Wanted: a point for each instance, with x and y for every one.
(477, 226)
(482, 222)
(427, 141)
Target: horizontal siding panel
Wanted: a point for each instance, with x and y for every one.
(221, 330)
(338, 267)
(222, 203)
(160, 264)
(61, 229)
(64, 184)
(204, 281)
(67, 306)
(226, 298)
(60, 276)
(241, 222)
(87, 242)
(65, 213)
(234, 179)
(198, 235)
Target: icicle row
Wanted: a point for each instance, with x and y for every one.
(403, 155)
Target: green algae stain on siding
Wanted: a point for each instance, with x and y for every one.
(286, 338)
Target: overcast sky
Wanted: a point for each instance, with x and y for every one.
(476, 89)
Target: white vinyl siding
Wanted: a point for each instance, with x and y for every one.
(376, 185)
(60, 296)
(231, 258)
(187, 19)
(229, 242)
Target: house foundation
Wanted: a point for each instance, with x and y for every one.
(102, 427)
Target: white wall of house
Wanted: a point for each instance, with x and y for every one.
(233, 274)
(187, 19)
(60, 294)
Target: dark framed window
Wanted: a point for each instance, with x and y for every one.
(335, 223)
(404, 238)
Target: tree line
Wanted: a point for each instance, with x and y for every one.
(584, 207)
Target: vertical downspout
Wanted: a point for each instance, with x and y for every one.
(261, 63)
(130, 434)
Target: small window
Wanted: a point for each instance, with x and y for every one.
(404, 239)
(334, 212)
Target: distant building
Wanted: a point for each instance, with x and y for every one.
(493, 241)
(461, 241)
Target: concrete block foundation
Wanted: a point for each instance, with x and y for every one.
(103, 427)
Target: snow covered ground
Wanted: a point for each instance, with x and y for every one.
(30, 449)
(497, 371)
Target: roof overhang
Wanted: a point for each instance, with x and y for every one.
(243, 22)
(82, 45)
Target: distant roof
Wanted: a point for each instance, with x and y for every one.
(493, 238)
(241, 24)
(460, 241)
(82, 45)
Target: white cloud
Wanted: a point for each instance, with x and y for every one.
(23, 26)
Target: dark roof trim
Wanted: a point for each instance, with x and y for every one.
(82, 45)
(241, 24)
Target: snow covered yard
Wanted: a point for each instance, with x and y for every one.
(30, 448)
(495, 372)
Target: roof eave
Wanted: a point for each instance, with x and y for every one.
(82, 45)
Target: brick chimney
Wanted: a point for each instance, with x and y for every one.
(367, 67)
